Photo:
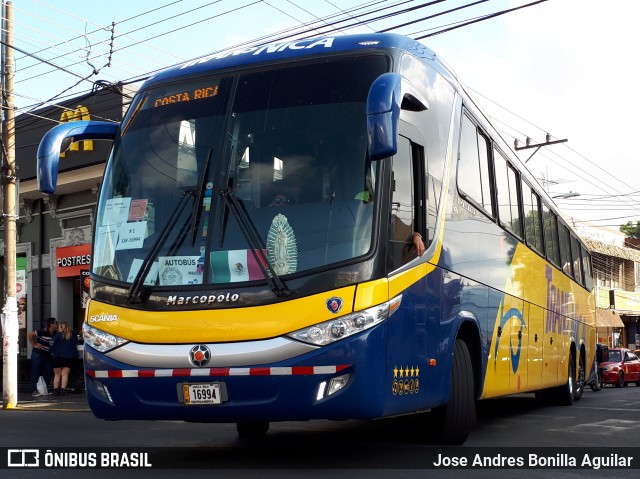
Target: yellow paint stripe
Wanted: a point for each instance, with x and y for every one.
(219, 325)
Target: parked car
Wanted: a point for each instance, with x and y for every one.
(622, 368)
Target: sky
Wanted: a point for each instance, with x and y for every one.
(567, 68)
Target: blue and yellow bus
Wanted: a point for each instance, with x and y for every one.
(322, 228)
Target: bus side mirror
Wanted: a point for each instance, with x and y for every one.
(389, 94)
(59, 138)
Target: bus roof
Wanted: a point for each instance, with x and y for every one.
(291, 49)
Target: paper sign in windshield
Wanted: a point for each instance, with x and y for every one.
(106, 240)
(151, 278)
(132, 235)
(116, 211)
(174, 270)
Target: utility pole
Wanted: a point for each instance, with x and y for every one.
(10, 310)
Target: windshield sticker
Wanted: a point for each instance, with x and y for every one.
(282, 247)
(151, 278)
(106, 239)
(132, 235)
(116, 211)
(138, 210)
(175, 270)
(235, 265)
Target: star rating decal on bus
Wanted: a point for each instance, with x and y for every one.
(407, 386)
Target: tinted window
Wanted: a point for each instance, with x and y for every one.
(586, 266)
(473, 165)
(401, 225)
(508, 199)
(532, 217)
(577, 259)
(550, 226)
(565, 249)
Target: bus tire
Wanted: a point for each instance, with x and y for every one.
(252, 429)
(565, 394)
(454, 420)
(579, 387)
(596, 384)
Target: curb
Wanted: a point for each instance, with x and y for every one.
(72, 403)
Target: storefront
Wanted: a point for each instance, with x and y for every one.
(609, 328)
(71, 267)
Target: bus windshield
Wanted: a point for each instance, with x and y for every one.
(285, 147)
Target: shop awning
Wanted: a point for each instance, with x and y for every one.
(608, 318)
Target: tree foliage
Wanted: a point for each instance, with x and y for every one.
(631, 230)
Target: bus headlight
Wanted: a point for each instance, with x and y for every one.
(100, 340)
(336, 329)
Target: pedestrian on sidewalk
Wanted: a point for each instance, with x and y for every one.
(41, 362)
(64, 350)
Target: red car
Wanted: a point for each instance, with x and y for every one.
(622, 368)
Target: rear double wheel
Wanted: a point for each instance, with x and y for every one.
(561, 395)
(579, 389)
(596, 384)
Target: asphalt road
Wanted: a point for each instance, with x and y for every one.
(600, 424)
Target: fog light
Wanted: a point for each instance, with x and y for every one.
(322, 388)
(103, 391)
(333, 386)
(336, 384)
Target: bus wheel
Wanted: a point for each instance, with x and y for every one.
(252, 429)
(577, 394)
(564, 395)
(454, 421)
(596, 385)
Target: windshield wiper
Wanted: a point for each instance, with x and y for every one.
(253, 238)
(197, 205)
(133, 295)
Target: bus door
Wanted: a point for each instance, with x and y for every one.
(407, 329)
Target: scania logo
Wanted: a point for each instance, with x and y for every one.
(334, 304)
(200, 355)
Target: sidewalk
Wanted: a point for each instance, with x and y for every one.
(76, 402)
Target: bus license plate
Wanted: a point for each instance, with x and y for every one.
(202, 393)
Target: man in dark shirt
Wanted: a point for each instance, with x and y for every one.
(41, 362)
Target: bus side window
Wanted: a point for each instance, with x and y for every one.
(532, 218)
(577, 260)
(550, 227)
(586, 267)
(508, 197)
(565, 249)
(473, 165)
(408, 178)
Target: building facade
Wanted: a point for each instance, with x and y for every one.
(616, 275)
(54, 231)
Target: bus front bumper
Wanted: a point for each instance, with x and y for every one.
(345, 380)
